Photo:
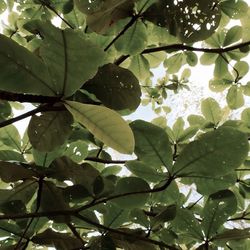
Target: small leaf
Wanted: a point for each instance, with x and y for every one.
(215, 153)
(242, 68)
(211, 110)
(130, 185)
(235, 98)
(49, 130)
(115, 87)
(221, 67)
(152, 145)
(233, 35)
(233, 234)
(105, 124)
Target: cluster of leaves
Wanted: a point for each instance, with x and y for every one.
(60, 185)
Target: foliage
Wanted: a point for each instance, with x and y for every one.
(82, 65)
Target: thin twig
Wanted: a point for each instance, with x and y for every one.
(76, 234)
(96, 159)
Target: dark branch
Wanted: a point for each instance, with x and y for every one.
(17, 97)
(176, 47)
(129, 235)
(96, 159)
(43, 108)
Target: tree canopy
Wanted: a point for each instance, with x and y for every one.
(85, 64)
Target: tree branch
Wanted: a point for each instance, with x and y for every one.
(104, 200)
(76, 234)
(176, 47)
(96, 159)
(129, 235)
(19, 97)
(43, 108)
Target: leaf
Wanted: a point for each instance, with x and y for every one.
(233, 234)
(152, 145)
(63, 169)
(207, 185)
(130, 185)
(211, 110)
(3, 7)
(8, 155)
(188, 20)
(242, 68)
(115, 87)
(174, 63)
(233, 35)
(186, 223)
(103, 243)
(217, 209)
(77, 151)
(106, 125)
(139, 65)
(114, 215)
(134, 40)
(71, 58)
(215, 153)
(234, 10)
(221, 67)
(10, 138)
(49, 130)
(235, 97)
(11, 172)
(61, 241)
(145, 171)
(108, 13)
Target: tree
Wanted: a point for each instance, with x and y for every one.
(60, 185)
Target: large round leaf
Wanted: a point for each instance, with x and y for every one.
(115, 87)
(105, 124)
(216, 153)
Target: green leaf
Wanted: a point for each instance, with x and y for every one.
(233, 35)
(221, 67)
(145, 171)
(71, 58)
(10, 138)
(108, 13)
(216, 211)
(8, 155)
(197, 15)
(215, 153)
(115, 87)
(3, 6)
(134, 40)
(77, 151)
(235, 97)
(234, 10)
(174, 63)
(139, 65)
(114, 215)
(192, 58)
(211, 110)
(105, 124)
(130, 185)
(61, 241)
(49, 130)
(152, 145)
(242, 69)
(186, 223)
(207, 185)
(233, 234)
(21, 71)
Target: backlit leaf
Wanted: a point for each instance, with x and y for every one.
(105, 124)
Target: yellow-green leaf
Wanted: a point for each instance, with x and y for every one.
(105, 124)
